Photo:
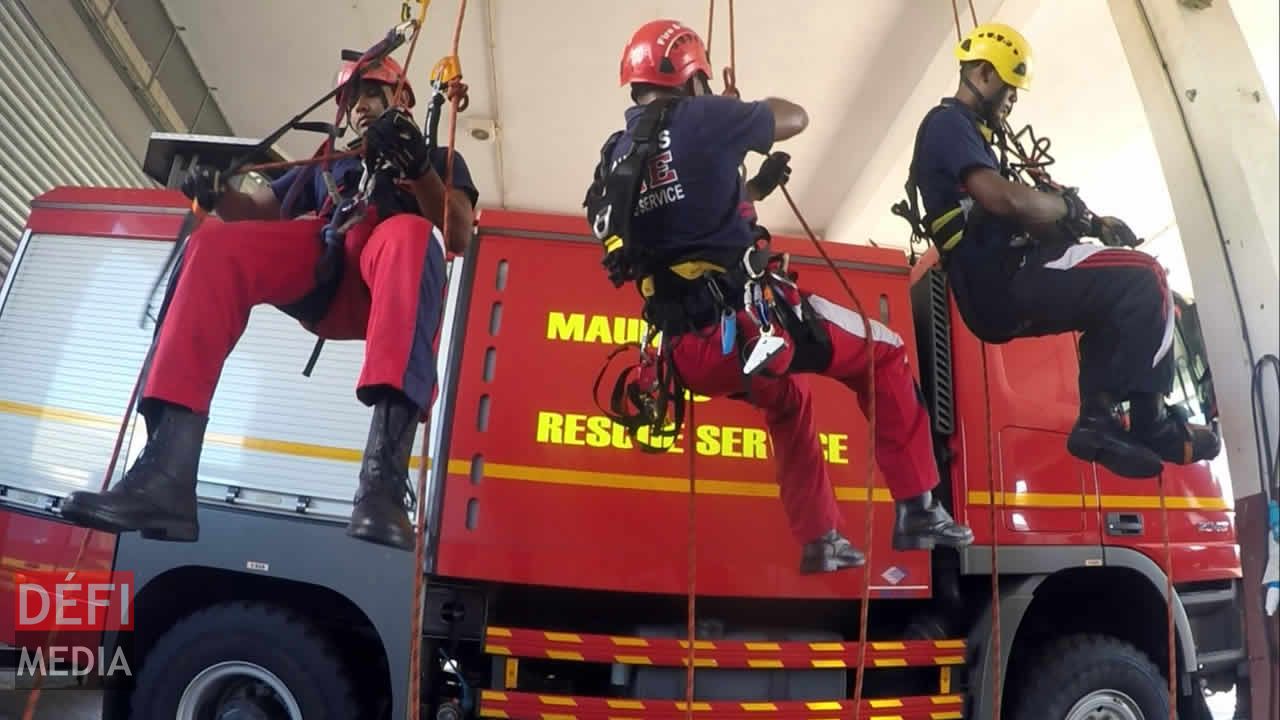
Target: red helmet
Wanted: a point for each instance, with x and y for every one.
(664, 52)
(387, 71)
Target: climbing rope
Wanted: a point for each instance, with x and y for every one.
(420, 542)
(995, 496)
(869, 504)
(1168, 575)
(692, 610)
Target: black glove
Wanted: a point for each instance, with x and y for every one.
(1114, 233)
(394, 139)
(205, 185)
(1079, 221)
(774, 171)
(616, 267)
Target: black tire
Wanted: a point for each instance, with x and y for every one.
(1076, 666)
(272, 638)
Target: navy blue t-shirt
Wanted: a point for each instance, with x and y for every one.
(950, 147)
(312, 195)
(691, 197)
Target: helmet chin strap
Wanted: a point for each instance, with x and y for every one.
(987, 106)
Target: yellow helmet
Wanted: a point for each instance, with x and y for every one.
(1002, 46)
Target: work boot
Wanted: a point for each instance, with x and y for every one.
(1099, 436)
(381, 505)
(830, 553)
(921, 522)
(157, 496)
(1167, 431)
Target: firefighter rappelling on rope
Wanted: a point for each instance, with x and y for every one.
(376, 215)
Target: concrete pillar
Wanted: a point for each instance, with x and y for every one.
(1216, 134)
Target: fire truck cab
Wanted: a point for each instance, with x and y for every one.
(557, 560)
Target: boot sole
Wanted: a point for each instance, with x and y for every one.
(828, 566)
(910, 542)
(371, 537)
(96, 518)
(1141, 464)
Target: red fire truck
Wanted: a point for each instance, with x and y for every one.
(557, 563)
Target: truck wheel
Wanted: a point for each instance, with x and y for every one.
(1094, 677)
(242, 661)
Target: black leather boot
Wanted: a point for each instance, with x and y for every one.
(830, 553)
(382, 502)
(1098, 436)
(157, 496)
(1167, 431)
(921, 523)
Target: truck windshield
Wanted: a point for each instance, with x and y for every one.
(1192, 381)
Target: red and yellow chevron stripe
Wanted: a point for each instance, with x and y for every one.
(500, 704)
(672, 652)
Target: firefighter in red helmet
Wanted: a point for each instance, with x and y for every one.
(385, 286)
(687, 210)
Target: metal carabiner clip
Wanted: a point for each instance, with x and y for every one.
(749, 266)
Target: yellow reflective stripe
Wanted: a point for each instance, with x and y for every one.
(945, 218)
(565, 655)
(611, 243)
(694, 269)
(1068, 500)
(951, 241)
(649, 483)
(629, 641)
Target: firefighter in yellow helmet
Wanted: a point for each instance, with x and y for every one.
(1013, 256)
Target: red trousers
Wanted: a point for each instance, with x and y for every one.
(391, 296)
(904, 446)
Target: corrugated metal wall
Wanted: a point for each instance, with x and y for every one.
(50, 132)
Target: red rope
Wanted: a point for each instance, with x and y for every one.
(997, 502)
(326, 157)
(420, 542)
(869, 539)
(996, 496)
(691, 629)
(711, 25)
(1168, 574)
(33, 700)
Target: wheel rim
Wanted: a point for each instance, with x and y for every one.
(1106, 705)
(220, 690)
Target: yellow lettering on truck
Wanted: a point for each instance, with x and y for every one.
(601, 329)
(728, 441)
(834, 447)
